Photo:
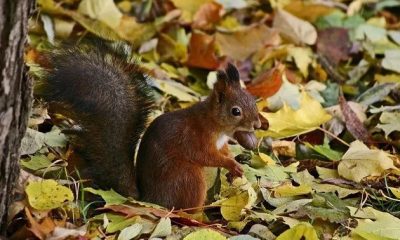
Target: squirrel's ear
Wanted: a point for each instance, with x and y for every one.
(220, 85)
(232, 74)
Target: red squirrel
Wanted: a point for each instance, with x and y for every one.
(107, 94)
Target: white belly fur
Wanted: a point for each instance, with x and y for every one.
(221, 141)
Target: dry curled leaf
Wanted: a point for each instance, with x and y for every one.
(353, 123)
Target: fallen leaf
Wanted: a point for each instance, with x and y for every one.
(353, 123)
(308, 11)
(297, 30)
(359, 161)
(288, 122)
(288, 190)
(40, 230)
(163, 228)
(390, 122)
(177, 90)
(259, 35)
(302, 230)
(288, 94)
(130, 232)
(395, 191)
(326, 151)
(267, 83)
(284, 148)
(47, 194)
(237, 4)
(202, 52)
(207, 16)
(291, 206)
(136, 33)
(391, 61)
(302, 57)
(376, 93)
(103, 10)
(382, 226)
(326, 173)
(232, 208)
(204, 234)
(73, 231)
(334, 44)
(189, 8)
(110, 197)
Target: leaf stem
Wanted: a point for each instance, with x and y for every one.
(334, 136)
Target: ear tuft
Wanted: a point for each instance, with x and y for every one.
(232, 73)
(221, 75)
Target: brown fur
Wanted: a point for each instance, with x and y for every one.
(177, 146)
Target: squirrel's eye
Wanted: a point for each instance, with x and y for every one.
(236, 111)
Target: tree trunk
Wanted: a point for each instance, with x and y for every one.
(15, 96)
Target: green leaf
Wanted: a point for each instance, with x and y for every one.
(390, 122)
(327, 206)
(205, 234)
(38, 162)
(376, 93)
(111, 197)
(326, 151)
(47, 194)
(391, 61)
(163, 228)
(130, 232)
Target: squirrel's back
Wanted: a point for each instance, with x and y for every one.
(107, 95)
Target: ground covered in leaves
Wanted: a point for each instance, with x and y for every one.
(327, 76)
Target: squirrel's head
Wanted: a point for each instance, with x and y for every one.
(234, 106)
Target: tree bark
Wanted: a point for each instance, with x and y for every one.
(15, 96)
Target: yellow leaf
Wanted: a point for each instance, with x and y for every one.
(266, 159)
(102, 10)
(302, 57)
(326, 173)
(395, 191)
(288, 122)
(359, 161)
(189, 7)
(288, 190)
(47, 194)
(232, 207)
(300, 231)
(377, 225)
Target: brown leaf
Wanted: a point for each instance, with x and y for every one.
(353, 123)
(40, 230)
(202, 52)
(241, 44)
(208, 14)
(267, 83)
(334, 43)
(131, 211)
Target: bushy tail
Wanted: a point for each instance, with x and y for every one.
(107, 95)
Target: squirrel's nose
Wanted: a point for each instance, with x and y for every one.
(264, 124)
(257, 124)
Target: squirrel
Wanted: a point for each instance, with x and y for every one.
(107, 95)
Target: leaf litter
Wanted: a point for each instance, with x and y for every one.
(326, 75)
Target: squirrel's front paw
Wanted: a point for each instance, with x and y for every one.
(236, 169)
